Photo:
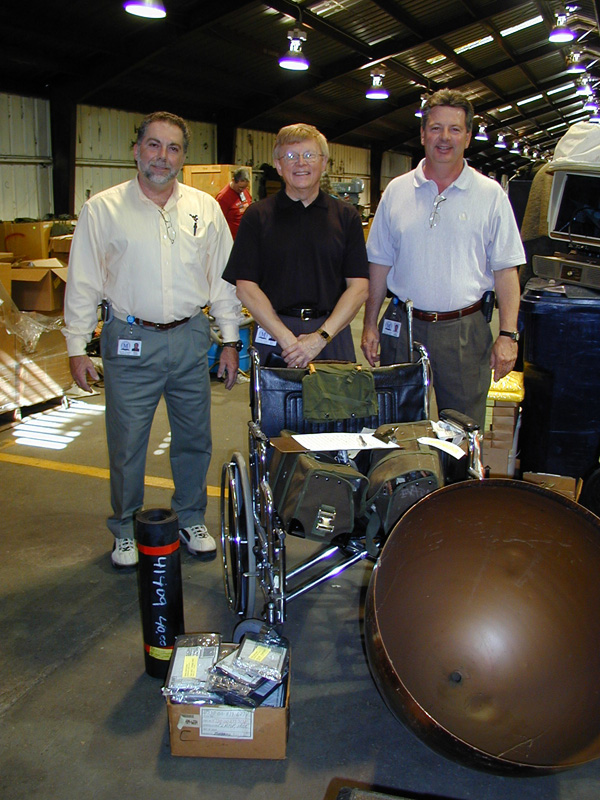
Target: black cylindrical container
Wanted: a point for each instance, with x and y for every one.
(159, 581)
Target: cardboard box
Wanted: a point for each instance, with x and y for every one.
(8, 371)
(5, 277)
(6, 258)
(27, 240)
(43, 374)
(60, 247)
(259, 733)
(497, 459)
(211, 178)
(39, 286)
(563, 484)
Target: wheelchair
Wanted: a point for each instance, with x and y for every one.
(258, 582)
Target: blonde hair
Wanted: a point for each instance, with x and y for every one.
(300, 132)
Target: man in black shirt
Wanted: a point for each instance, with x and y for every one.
(299, 261)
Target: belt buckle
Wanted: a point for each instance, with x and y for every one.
(434, 315)
(305, 314)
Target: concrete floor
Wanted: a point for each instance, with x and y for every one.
(80, 717)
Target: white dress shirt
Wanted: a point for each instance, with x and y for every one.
(155, 264)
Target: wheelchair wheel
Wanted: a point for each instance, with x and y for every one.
(237, 537)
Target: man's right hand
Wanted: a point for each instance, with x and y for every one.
(81, 367)
(369, 344)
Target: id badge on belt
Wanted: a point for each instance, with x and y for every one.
(262, 337)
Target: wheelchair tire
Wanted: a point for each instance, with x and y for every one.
(249, 625)
(238, 537)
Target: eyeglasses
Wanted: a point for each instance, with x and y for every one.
(434, 217)
(171, 233)
(292, 158)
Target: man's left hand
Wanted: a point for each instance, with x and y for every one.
(504, 356)
(229, 362)
(304, 350)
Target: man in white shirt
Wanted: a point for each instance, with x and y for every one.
(443, 237)
(153, 250)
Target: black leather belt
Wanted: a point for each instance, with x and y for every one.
(161, 326)
(441, 316)
(303, 313)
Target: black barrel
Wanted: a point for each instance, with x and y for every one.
(159, 581)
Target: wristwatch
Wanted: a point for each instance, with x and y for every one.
(514, 335)
(237, 345)
(322, 332)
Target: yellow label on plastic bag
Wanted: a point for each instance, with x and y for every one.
(190, 667)
(259, 653)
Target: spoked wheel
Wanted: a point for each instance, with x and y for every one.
(237, 537)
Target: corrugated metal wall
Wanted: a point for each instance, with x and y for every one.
(25, 158)
(104, 157)
(392, 165)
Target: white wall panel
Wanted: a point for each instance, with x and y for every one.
(25, 158)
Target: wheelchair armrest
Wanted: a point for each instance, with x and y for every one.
(452, 416)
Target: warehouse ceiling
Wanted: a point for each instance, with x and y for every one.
(218, 62)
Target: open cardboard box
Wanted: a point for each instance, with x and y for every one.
(228, 732)
(39, 285)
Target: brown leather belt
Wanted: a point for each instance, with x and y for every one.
(161, 326)
(441, 316)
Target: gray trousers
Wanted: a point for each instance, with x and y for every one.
(172, 364)
(459, 350)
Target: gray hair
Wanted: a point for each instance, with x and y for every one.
(241, 174)
(300, 132)
(448, 97)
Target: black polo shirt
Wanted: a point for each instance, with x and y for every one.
(299, 255)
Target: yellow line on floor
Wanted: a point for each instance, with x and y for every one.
(92, 472)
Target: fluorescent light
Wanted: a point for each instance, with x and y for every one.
(521, 26)
(561, 88)
(529, 99)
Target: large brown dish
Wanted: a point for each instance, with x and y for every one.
(482, 626)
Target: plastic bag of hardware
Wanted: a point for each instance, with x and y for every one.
(265, 654)
(193, 657)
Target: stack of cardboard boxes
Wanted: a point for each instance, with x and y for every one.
(34, 282)
(502, 422)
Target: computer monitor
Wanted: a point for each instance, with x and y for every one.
(574, 208)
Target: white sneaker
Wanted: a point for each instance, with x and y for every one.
(124, 554)
(199, 542)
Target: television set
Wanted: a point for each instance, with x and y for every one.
(574, 208)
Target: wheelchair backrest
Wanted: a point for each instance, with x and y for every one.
(276, 398)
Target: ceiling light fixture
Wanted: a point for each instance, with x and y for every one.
(377, 90)
(295, 59)
(583, 86)
(590, 104)
(500, 143)
(419, 111)
(149, 9)
(481, 134)
(561, 33)
(574, 61)
(515, 147)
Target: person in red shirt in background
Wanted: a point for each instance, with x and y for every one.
(235, 198)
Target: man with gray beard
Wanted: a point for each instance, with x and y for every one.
(152, 250)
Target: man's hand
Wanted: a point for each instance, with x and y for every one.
(81, 367)
(304, 350)
(229, 362)
(504, 356)
(369, 344)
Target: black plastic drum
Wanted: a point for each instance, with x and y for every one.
(483, 626)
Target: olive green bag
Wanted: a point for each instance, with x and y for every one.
(338, 391)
